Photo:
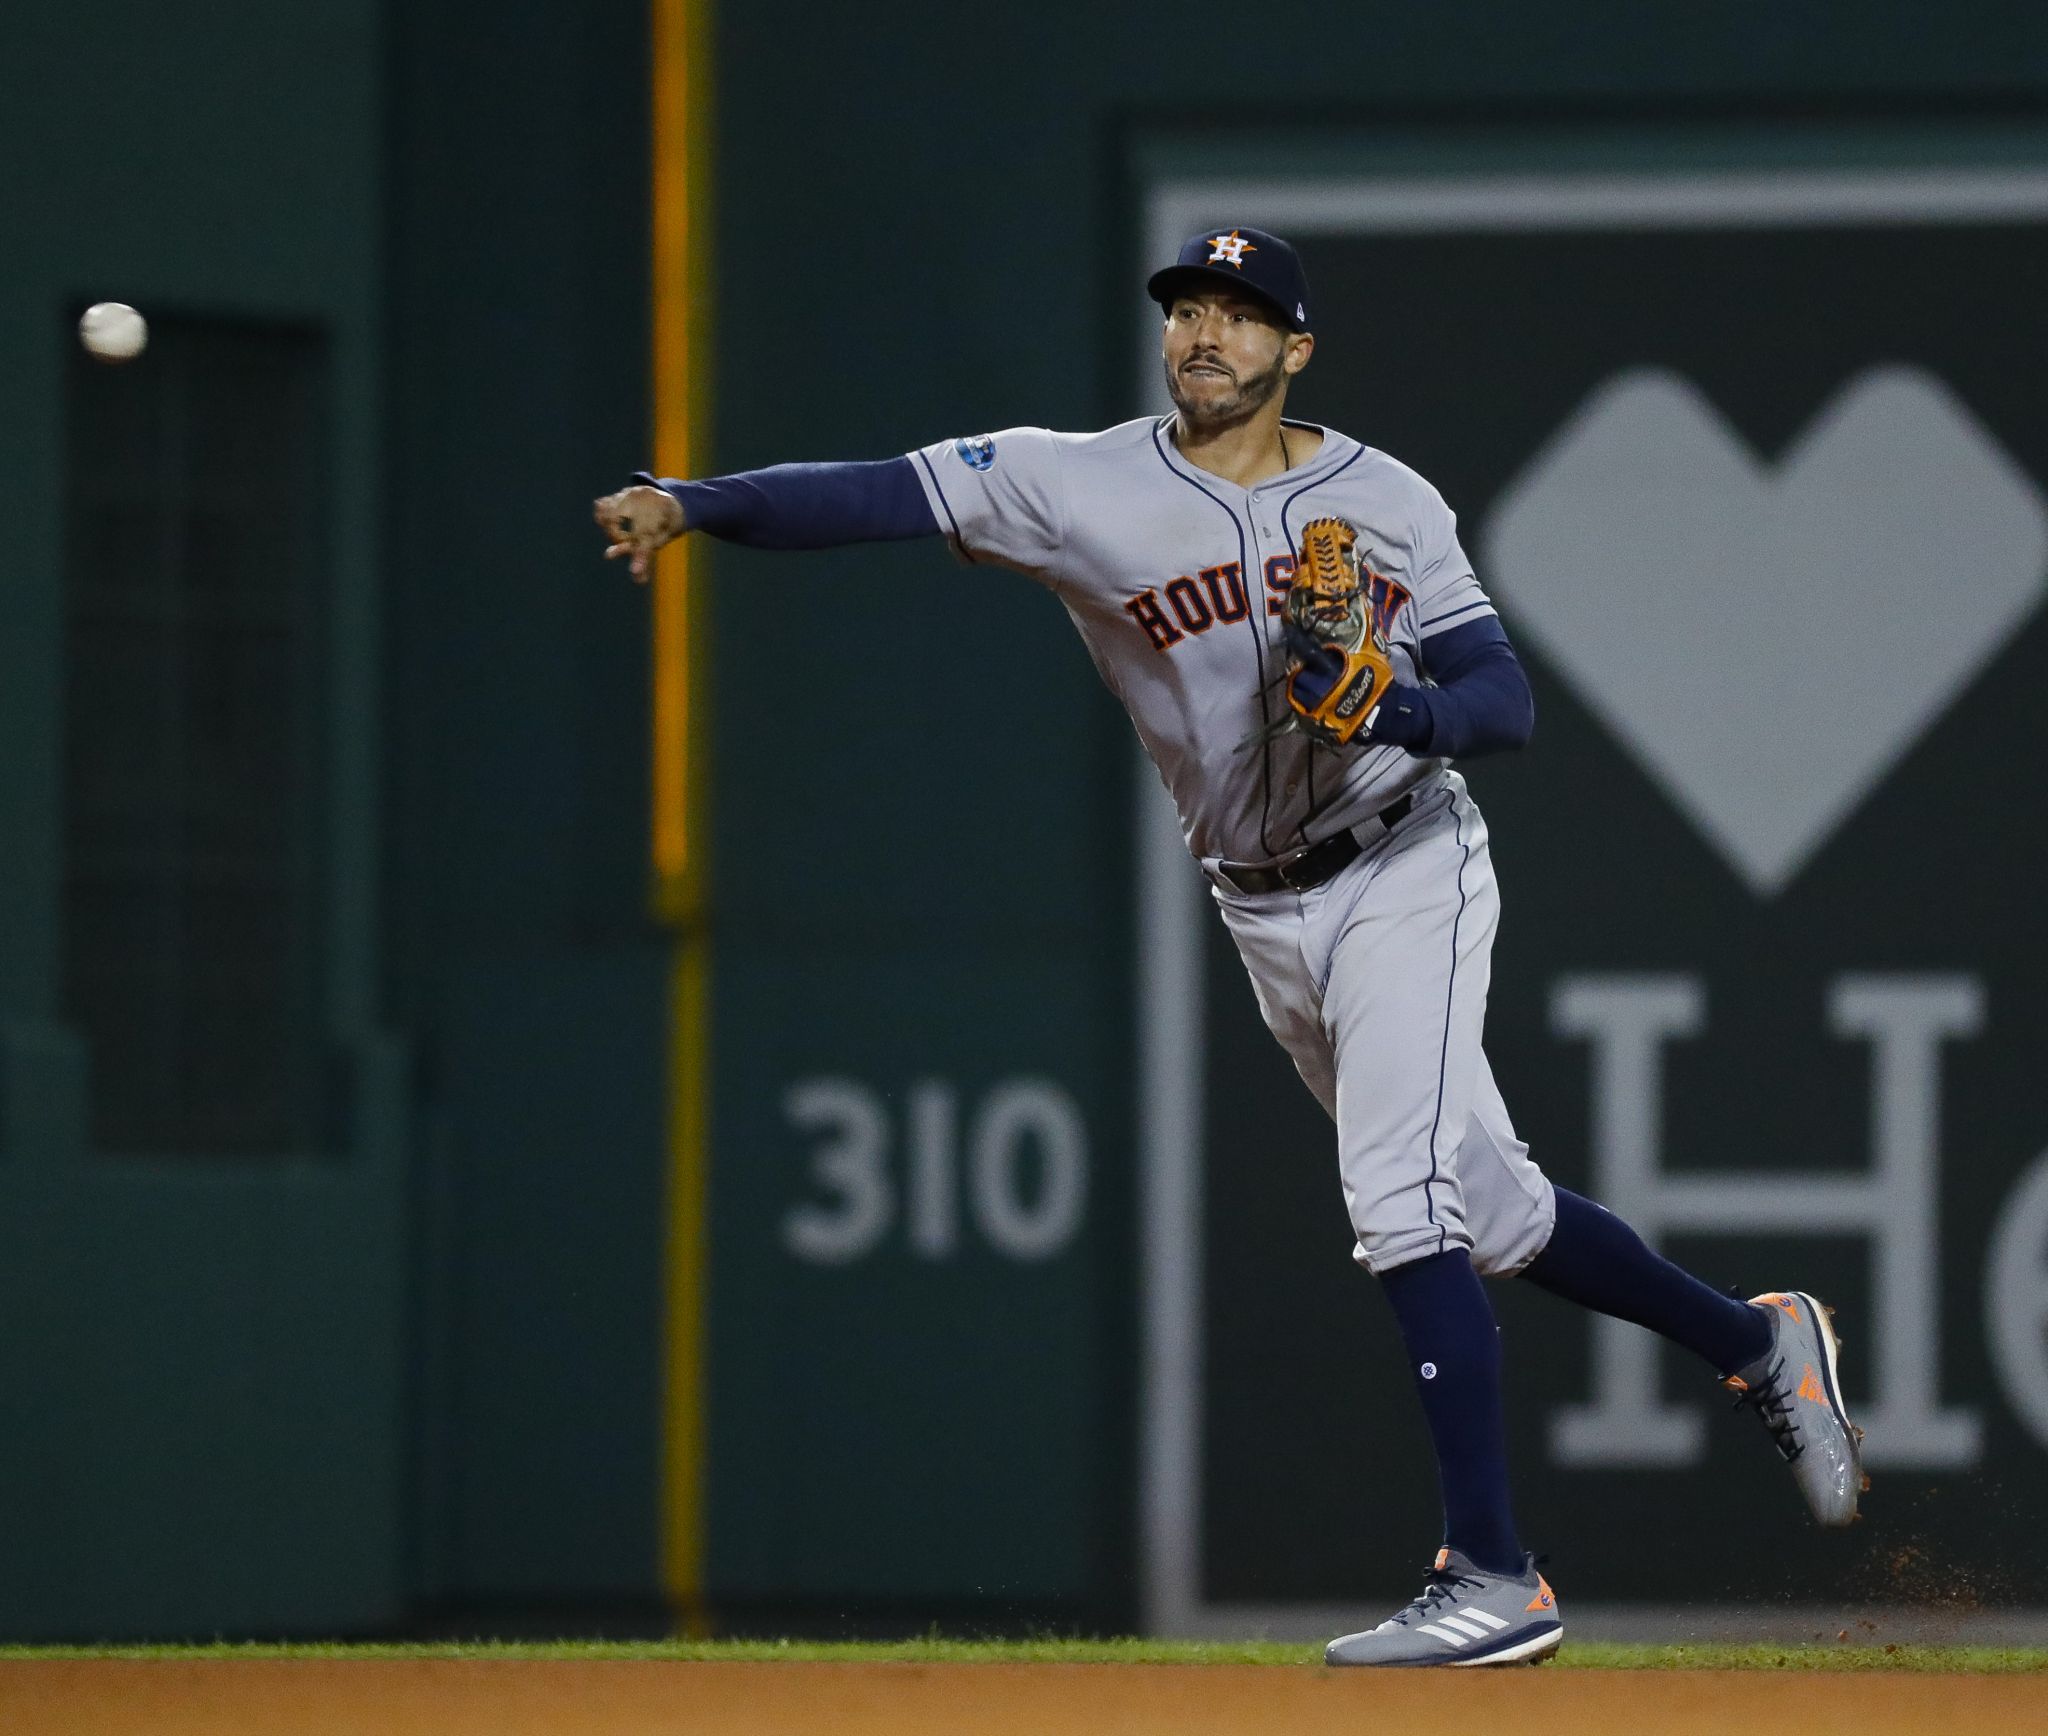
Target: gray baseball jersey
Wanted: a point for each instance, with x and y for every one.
(1176, 579)
(1375, 981)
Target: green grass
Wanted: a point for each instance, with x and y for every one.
(1968, 1659)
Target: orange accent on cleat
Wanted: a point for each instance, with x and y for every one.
(1773, 1299)
(1735, 1383)
(1809, 1387)
(1443, 1560)
(1544, 1597)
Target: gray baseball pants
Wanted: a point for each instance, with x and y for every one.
(1375, 983)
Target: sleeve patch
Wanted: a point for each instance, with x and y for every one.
(977, 451)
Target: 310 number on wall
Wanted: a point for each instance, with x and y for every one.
(1009, 1168)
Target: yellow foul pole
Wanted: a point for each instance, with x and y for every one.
(680, 39)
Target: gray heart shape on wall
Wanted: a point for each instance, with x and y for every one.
(1769, 640)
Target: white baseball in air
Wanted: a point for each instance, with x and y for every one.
(113, 331)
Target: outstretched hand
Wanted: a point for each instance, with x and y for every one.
(639, 520)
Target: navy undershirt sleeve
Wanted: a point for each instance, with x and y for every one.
(807, 506)
(1480, 702)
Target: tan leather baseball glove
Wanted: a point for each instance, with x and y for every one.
(1338, 667)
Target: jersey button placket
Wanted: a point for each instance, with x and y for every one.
(1268, 541)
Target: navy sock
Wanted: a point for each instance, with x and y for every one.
(1597, 1261)
(1454, 1354)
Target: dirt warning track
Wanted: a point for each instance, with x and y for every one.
(456, 1697)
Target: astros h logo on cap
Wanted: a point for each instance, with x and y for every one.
(1230, 249)
(1245, 258)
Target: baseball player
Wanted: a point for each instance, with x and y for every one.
(1304, 648)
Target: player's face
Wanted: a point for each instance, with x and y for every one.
(1227, 356)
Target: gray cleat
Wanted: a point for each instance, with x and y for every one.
(1465, 1615)
(1794, 1389)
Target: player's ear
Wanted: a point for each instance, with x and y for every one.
(1300, 346)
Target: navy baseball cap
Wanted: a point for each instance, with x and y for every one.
(1245, 258)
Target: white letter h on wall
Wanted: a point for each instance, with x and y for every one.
(1627, 1020)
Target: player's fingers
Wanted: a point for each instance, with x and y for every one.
(636, 555)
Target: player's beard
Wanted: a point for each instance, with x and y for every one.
(1253, 394)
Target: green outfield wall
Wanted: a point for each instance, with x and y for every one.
(406, 1367)
(404, 1360)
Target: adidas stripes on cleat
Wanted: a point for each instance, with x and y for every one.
(1465, 1615)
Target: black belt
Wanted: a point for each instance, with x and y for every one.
(1319, 862)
